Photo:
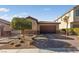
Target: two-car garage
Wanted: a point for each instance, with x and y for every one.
(47, 27)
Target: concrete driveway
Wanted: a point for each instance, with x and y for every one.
(73, 40)
(58, 43)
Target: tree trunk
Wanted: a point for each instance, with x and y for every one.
(67, 30)
(22, 35)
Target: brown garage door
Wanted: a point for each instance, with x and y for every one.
(47, 29)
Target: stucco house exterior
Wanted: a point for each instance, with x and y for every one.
(5, 29)
(73, 21)
(39, 27)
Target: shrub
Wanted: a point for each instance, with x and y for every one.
(21, 41)
(76, 30)
(63, 30)
(19, 38)
(11, 43)
(31, 43)
(72, 31)
(18, 45)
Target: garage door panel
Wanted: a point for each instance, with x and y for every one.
(48, 29)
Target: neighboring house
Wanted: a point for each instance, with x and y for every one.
(42, 26)
(73, 21)
(5, 29)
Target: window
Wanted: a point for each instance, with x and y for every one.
(77, 12)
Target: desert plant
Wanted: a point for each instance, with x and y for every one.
(21, 41)
(11, 43)
(19, 38)
(17, 45)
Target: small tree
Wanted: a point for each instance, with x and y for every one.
(21, 24)
(66, 18)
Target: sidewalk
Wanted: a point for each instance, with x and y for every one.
(51, 50)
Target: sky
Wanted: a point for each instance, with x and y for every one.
(40, 12)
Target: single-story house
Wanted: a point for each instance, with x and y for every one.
(43, 27)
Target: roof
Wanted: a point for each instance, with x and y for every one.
(67, 12)
(4, 21)
(40, 22)
(47, 22)
(32, 18)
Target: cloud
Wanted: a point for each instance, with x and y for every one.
(23, 14)
(4, 10)
(9, 17)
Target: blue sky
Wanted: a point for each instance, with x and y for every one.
(40, 12)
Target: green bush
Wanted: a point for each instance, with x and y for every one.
(71, 31)
(76, 30)
(63, 29)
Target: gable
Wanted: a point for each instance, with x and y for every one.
(34, 22)
(31, 18)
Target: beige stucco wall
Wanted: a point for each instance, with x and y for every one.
(5, 26)
(62, 23)
(38, 28)
(34, 25)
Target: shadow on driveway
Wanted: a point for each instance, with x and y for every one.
(53, 45)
